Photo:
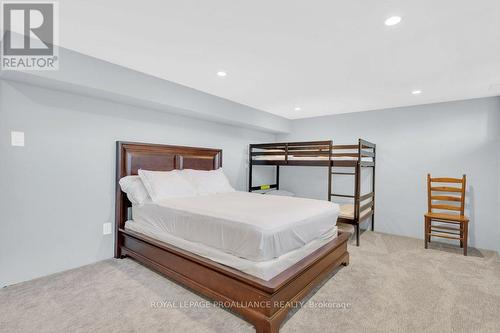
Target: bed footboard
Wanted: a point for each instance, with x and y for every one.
(265, 304)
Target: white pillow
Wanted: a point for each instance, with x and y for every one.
(136, 192)
(166, 184)
(208, 182)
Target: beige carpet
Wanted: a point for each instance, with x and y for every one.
(391, 285)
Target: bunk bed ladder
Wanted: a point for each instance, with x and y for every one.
(373, 187)
(250, 164)
(357, 192)
(330, 171)
(357, 197)
(365, 144)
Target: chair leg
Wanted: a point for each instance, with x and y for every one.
(461, 235)
(466, 236)
(373, 222)
(426, 232)
(357, 234)
(429, 227)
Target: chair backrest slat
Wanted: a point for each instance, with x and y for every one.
(447, 196)
(446, 189)
(446, 180)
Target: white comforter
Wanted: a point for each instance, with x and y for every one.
(248, 225)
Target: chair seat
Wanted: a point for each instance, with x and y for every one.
(447, 217)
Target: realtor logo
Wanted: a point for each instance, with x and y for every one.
(29, 31)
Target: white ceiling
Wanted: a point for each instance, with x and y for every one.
(326, 56)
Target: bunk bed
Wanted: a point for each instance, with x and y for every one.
(353, 158)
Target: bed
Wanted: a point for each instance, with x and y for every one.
(350, 158)
(272, 273)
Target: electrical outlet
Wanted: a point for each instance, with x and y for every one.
(106, 229)
(17, 138)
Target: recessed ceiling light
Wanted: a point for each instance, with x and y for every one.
(393, 20)
(297, 108)
(416, 92)
(221, 73)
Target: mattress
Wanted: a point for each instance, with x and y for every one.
(248, 225)
(308, 158)
(347, 211)
(264, 270)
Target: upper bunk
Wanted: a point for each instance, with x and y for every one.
(313, 153)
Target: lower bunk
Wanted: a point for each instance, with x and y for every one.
(347, 216)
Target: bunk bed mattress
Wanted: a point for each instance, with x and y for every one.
(347, 212)
(308, 158)
(265, 270)
(248, 225)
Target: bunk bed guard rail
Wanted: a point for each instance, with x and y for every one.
(282, 153)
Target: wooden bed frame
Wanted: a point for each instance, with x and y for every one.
(356, 157)
(262, 303)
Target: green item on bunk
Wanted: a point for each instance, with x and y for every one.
(265, 187)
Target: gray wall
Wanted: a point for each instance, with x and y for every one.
(58, 190)
(447, 139)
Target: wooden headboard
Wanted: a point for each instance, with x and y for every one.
(132, 156)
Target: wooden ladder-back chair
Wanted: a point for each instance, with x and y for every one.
(449, 202)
